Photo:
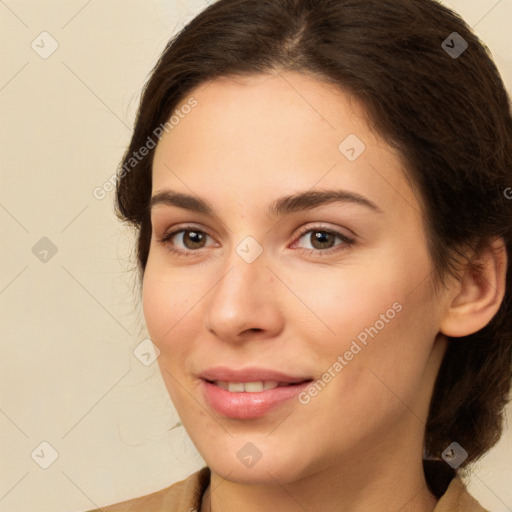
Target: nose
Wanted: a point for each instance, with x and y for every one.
(245, 302)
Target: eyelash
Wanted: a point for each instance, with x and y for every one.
(347, 241)
(180, 252)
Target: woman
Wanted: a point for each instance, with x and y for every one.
(324, 240)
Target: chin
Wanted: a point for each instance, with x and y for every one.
(262, 473)
(241, 462)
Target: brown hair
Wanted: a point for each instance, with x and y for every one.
(448, 115)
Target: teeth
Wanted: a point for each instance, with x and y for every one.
(236, 387)
(247, 387)
(254, 387)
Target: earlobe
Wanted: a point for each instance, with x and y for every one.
(479, 292)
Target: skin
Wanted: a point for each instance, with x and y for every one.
(249, 142)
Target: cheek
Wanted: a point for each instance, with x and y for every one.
(155, 301)
(168, 301)
(400, 353)
(168, 305)
(382, 322)
(344, 303)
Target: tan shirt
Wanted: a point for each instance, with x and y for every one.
(186, 496)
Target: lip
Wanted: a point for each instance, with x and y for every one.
(246, 405)
(250, 374)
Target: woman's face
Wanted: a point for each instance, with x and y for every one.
(298, 260)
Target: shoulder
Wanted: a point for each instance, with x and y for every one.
(457, 499)
(185, 495)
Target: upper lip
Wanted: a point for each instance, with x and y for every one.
(249, 374)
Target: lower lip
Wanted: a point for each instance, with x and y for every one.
(249, 405)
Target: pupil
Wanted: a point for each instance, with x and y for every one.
(321, 240)
(195, 239)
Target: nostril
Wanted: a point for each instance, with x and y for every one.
(254, 329)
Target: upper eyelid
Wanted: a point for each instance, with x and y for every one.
(329, 229)
(301, 232)
(186, 227)
(180, 229)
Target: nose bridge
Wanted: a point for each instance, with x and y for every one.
(243, 298)
(243, 281)
(245, 267)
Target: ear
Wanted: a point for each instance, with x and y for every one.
(478, 293)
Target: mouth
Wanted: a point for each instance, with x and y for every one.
(253, 387)
(246, 400)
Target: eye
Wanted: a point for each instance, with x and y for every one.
(185, 241)
(323, 240)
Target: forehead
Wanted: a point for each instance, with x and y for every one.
(256, 135)
(276, 108)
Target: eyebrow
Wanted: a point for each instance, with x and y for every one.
(297, 202)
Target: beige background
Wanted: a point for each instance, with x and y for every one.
(69, 325)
